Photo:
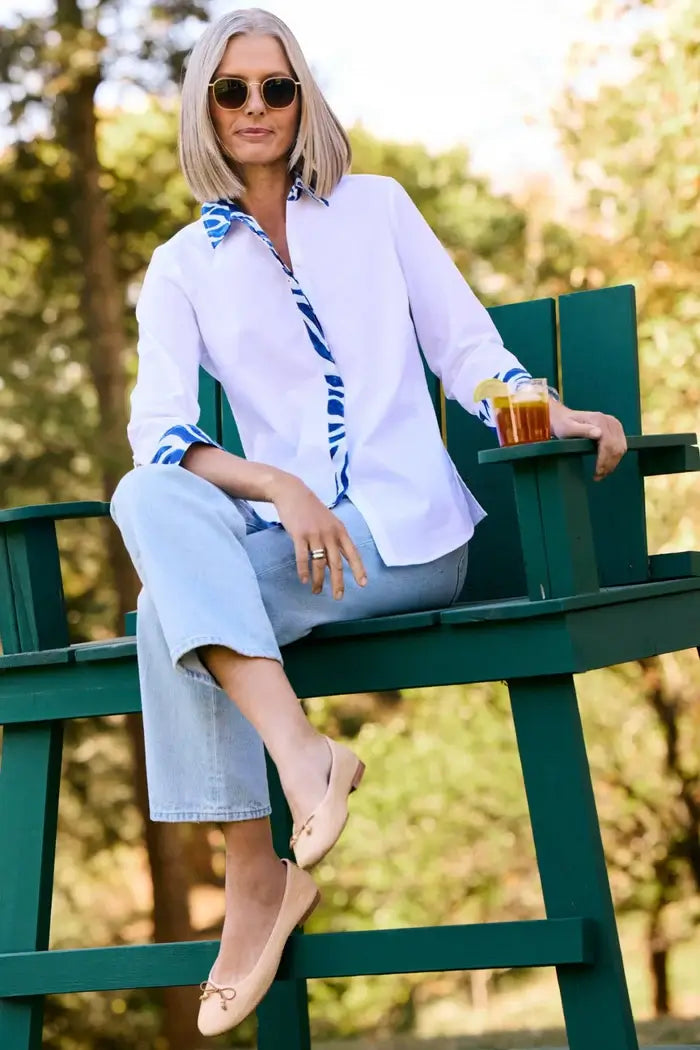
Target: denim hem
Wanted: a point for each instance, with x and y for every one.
(225, 815)
(190, 645)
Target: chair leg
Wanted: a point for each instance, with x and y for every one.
(570, 856)
(29, 785)
(283, 1015)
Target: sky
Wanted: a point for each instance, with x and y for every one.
(479, 73)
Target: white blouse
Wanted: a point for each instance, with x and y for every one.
(372, 269)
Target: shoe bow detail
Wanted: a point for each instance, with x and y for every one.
(209, 988)
(305, 827)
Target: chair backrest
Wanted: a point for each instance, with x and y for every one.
(591, 356)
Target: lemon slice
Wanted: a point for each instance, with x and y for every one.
(490, 388)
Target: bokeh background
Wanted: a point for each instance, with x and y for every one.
(552, 146)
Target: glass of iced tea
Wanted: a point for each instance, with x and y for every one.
(522, 415)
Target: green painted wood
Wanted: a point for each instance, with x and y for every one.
(71, 690)
(9, 628)
(114, 649)
(531, 638)
(523, 609)
(570, 857)
(29, 785)
(566, 526)
(674, 566)
(537, 943)
(538, 450)
(529, 330)
(533, 547)
(35, 569)
(600, 370)
(644, 443)
(678, 460)
(209, 405)
(283, 1015)
(36, 658)
(130, 623)
(56, 511)
(602, 637)
(378, 624)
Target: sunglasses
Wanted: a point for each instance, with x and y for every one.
(233, 92)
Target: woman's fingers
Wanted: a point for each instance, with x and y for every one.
(353, 559)
(606, 430)
(611, 447)
(335, 568)
(301, 552)
(336, 545)
(318, 565)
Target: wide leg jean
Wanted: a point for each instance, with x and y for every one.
(211, 578)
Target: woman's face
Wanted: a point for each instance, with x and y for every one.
(253, 58)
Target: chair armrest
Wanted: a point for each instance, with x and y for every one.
(553, 506)
(55, 511)
(658, 453)
(32, 607)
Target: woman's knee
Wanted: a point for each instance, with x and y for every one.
(156, 485)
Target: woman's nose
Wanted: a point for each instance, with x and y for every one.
(255, 102)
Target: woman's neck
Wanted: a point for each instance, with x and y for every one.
(266, 191)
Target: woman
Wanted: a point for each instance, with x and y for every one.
(302, 290)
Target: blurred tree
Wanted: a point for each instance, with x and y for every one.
(52, 67)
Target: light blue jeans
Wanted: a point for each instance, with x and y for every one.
(211, 579)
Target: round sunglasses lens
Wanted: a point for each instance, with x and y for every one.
(279, 92)
(230, 93)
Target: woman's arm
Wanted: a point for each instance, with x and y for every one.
(164, 405)
(163, 429)
(460, 341)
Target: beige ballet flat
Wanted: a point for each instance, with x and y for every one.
(312, 840)
(225, 1006)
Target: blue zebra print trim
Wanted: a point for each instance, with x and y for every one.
(176, 441)
(218, 217)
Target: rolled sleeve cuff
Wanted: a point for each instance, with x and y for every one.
(174, 443)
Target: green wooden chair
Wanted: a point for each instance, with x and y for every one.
(560, 582)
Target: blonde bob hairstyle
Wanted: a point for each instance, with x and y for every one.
(321, 153)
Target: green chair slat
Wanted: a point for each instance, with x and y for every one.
(600, 370)
(540, 942)
(9, 627)
(495, 559)
(32, 553)
(209, 405)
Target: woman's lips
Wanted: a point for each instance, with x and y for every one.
(253, 133)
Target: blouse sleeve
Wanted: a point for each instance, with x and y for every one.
(164, 407)
(458, 338)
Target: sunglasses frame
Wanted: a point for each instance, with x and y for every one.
(254, 83)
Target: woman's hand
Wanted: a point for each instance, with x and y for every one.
(312, 526)
(606, 430)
